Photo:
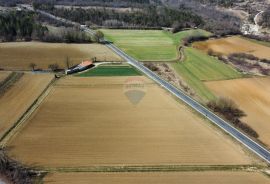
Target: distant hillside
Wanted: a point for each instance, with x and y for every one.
(113, 3)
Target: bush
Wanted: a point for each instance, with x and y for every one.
(230, 111)
(15, 172)
(187, 41)
(152, 67)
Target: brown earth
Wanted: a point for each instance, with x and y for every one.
(19, 97)
(209, 177)
(234, 44)
(91, 122)
(252, 96)
(18, 55)
(3, 75)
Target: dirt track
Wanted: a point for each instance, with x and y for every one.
(19, 97)
(252, 96)
(234, 44)
(93, 122)
(216, 177)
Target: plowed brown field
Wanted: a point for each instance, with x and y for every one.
(20, 55)
(234, 44)
(253, 97)
(158, 178)
(3, 75)
(19, 97)
(91, 122)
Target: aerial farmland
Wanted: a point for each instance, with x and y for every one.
(129, 92)
(20, 55)
(245, 92)
(115, 136)
(150, 45)
(22, 94)
(235, 44)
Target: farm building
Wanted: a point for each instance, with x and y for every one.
(80, 67)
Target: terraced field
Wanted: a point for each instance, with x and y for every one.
(235, 44)
(93, 121)
(149, 45)
(252, 96)
(19, 97)
(19, 55)
(215, 177)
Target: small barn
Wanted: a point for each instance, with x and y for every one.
(80, 67)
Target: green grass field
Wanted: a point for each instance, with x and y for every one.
(110, 71)
(149, 45)
(199, 67)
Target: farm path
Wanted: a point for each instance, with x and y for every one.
(20, 123)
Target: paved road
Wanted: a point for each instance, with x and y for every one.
(242, 138)
(249, 143)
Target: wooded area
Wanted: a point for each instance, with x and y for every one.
(20, 25)
(265, 21)
(149, 16)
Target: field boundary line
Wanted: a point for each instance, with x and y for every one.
(155, 168)
(9, 82)
(13, 130)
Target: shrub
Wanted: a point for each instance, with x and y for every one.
(15, 172)
(230, 111)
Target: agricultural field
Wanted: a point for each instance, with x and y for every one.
(209, 177)
(19, 97)
(110, 70)
(265, 43)
(199, 67)
(18, 55)
(252, 96)
(97, 123)
(235, 44)
(3, 75)
(150, 45)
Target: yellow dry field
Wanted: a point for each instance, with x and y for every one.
(252, 96)
(234, 44)
(3, 75)
(91, 122)
(209, 177)
(18, 55)
(19, 97)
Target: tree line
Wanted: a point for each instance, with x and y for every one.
(25, 26)
(108, 3)
(20, 25)
(149, 16)
(231, 112)
(224, 3)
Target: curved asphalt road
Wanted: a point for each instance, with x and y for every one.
(238, 135)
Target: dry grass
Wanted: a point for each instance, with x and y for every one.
(90, 121)
(19, 97)
(20, 55)
(158, 178)
(252, 96)
(234, 44)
